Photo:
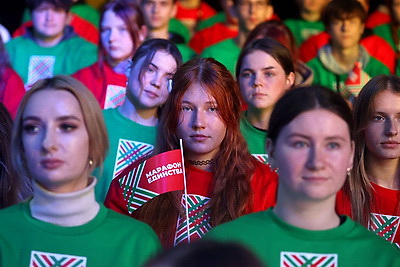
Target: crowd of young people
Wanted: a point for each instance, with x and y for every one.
(290, 131)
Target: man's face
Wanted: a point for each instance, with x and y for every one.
(252, 12)
(48, 21)
(158, 13)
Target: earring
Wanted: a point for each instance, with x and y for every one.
(348, 171)
(90, 162)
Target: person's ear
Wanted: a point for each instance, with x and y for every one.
(174, 11)
(290, 80)
(143, 33)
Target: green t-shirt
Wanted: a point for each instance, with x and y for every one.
(226, 52)
(217, 18)
(128, 142)
(33, 62)
(255, 139)
(110, 239)
(179, 28)
(303, 29)
(277, 243)
(186, 52)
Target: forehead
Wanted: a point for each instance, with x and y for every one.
(387, 100)
(170, 2)
(259, 59)
(110, 17)
(197, 94)
(49, 103)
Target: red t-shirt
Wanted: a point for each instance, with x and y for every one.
(12, 92)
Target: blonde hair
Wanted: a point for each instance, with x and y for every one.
(91, 112)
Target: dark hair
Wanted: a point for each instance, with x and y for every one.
(4, 64)
(341, 10)
(236, 2)
(206, 253)
(63, 4)
(13, 188)
(276, 30)
(358, 186)
(303, 99)
(234, 165)
(272, 47)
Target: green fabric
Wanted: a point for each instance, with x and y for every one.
(255, 138)
(128, 142)
(84, 11)
(217, 18)
(179, 28)
(303, 29)
(324, 76)
(69, 55)
(385, 32)
(187, 52)
(275, 241)
(110, 239)
(226, 52)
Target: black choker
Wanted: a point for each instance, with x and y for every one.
(201, 162)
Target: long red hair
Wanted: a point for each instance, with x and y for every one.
(231, 191)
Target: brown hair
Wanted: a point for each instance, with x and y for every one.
(91, 111)
(341, 10)
(358, 186)
(234, 166)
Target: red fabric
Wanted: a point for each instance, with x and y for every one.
(13, 91)
(203, 12)
(97, 80)
(386, 202)
(377, 18)
(264, 184)
(82, 28)
(211, 35)
(385, 54)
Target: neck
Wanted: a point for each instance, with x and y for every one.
(385, 173)
(346, 57)
(161, 33)
(66, 209)
(47, 42)
(146, 117)
(310, 215)
(241, 38)
(259, 117)
(310, 16)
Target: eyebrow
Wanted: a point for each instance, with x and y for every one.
(208, 102)
(62, 118)
(334, 137)
(266, 68)
(155, 66)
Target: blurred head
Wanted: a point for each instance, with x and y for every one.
(206, 253)
(58, 118)
(394, 10)
(153, 65)
(57, 4)
(312, 6)
(158, 13)
(311, 144)
(122, 30)
(250, 13)
(344, 21)
(212, 81)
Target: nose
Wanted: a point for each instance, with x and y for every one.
(392, 127)
(49, 14)
(257, 81)
(315, 160)
(156, 80)
(198, 120)
(49, 142)
(112, 35)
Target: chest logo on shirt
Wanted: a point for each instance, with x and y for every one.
(263, 158)
(44, 259)
(385, 226)
(40, 67)
(301, 259)
(199, 219)
(128, 152)
(115, 96)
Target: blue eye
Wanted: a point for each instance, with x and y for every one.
(333, 145)
(186, 108)
(245, 74)
(66, 127)
(30, 128)
(378, 118)
(299, 144)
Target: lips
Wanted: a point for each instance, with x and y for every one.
(51, 164)
(390, 144)
(199, 137)
(151, 94)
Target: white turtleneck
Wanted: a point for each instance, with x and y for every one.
(66, 209)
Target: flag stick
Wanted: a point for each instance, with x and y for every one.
(185, 191)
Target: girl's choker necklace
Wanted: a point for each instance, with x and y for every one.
(201, 162)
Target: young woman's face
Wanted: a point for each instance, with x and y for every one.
(262, 80)
(115, 38)
(382, 137)
(200, 126)
(55, 141)
(48, 21)
(153, 90)
(312, 154)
